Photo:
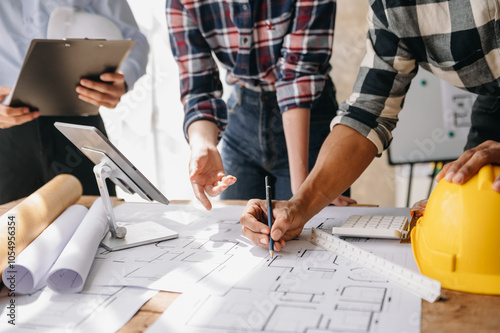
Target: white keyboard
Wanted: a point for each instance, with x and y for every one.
(374, 226)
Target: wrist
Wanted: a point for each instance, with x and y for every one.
(202, 134)
(309, 202)
(297, 177)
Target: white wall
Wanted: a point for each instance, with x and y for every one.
(147, 125)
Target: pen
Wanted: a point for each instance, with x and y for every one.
(269, 216)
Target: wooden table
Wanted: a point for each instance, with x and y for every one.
(460, 312)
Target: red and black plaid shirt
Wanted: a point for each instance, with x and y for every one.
(266, 45)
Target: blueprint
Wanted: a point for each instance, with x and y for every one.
(95, 309)
(228, 284)
(304, 289)
(209, 245)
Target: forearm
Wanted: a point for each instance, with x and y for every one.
(344, 156)
(296, 128)
(202, 133)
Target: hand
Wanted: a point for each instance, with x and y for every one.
(206, 173)
(288, 223)
(343, 201)
(103, 94)
(469, 163)
(13, 116)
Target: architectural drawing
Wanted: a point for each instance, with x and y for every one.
(303, 289)
(205, 246)
(228, 283)
(95, 309)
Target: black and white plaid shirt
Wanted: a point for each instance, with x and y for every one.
(457, 40)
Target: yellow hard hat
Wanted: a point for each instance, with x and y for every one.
(457, 241)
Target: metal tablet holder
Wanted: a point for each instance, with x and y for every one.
(135, 234)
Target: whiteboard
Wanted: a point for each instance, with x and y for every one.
(433, 124)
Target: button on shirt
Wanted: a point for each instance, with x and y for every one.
(458, 41)
(266, 45)
(24, 20)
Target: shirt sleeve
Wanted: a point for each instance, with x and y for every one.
(382, 83)
(305, 55)
(120, 13)
(201, 88)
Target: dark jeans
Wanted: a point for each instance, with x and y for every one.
(254, 142)
(485, 121)
(33, 153)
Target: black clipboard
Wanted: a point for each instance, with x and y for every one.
(53, 68)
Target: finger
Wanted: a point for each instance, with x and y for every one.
(13, 112)
(278, 230)
(214, 191)
(257, 238)
(443, 171)
(228, 180)
(89, 100)
(281, 225)
(201, 196)
(253, 218)
(496, 184)
(349, 201)
(457, 164)
(7, 122)
(18, 120)
(102, 101)
(339, 202)
(471, 167)
(109, 97)
(112, 77)
(278, 246)
(99, 95)
(104, 88)
(220, 186)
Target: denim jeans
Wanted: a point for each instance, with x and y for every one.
(485, 121)
(254, 146)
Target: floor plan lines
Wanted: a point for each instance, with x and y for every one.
(302, 289)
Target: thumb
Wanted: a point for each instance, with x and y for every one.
(276, 233)
(280, 227)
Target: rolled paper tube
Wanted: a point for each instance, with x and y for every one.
(36, 213)
(70, 271)
(29, 272)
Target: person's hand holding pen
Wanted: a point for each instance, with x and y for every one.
(10, 116)
(288, 223)
(107, 93)
(269, 215)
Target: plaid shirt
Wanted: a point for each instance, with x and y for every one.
(266, 45)
(457, 40)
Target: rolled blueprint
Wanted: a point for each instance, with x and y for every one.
(69, 272)
(29, 273)
(34, 214)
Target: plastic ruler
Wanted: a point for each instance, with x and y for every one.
(420, 285)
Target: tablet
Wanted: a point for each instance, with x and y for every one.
(97, 147)
(53, 69)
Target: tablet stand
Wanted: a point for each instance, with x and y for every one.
(134, 234)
